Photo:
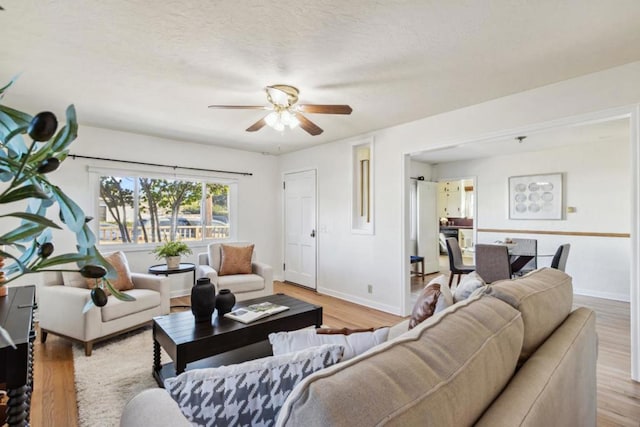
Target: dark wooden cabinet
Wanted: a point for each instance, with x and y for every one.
(16, 364)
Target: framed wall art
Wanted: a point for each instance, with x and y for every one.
(535, 196)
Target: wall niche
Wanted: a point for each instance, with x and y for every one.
(362, 187)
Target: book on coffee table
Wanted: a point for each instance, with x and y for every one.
(254, 312)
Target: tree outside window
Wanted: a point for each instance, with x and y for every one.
(148, 210)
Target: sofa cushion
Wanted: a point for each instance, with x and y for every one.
(469, 283)
(434, 371)
(354, 343)
(434, 298)
(544, 297)
(235, 259)
(446, 297)
(115, 309)
(250, 393)
(238, 283)
(425, 306)
(118, 261)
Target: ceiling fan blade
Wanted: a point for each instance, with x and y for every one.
(241, 107)
(308, 125)
(325, 109)
(257, 125)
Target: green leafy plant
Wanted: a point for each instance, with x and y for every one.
(171, 248)
(28, 247)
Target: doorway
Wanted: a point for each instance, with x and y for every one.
(300, 248)
(598, 213)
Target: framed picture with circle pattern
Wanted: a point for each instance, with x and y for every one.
(535, 196)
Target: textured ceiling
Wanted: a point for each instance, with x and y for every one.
(154, 66)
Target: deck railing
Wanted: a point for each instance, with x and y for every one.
(110, 234)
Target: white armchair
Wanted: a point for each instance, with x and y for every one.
(60, 309)
(244, 286)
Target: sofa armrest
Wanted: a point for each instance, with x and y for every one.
(159, 284)
(60, 310)
(153, 407)
(203, 258)
(266, 272)
(206, 271)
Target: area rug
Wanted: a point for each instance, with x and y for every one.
(117, 370)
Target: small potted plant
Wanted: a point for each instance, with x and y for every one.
(171, 251)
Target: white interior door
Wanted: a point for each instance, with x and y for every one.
(300, 228)
(428, 227)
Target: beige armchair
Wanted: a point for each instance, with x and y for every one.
(60, 309)
(244, 286)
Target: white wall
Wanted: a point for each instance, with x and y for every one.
(417, 169)
(347, 262)
(256, 222)
(597, 182)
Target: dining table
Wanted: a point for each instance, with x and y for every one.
(517, 261)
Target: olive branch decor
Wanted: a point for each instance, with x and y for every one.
(28, 247)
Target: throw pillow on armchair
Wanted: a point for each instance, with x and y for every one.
(235, 259)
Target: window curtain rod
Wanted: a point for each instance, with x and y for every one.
(78, 156)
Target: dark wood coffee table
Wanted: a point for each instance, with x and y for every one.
(224, 341)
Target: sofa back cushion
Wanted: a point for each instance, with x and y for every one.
(544, 297)
(557, 385)
(466, 354)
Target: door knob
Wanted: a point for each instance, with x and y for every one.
(313, 233)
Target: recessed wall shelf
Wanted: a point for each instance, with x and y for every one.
(362, 187)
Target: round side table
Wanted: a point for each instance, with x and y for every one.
(184, 267)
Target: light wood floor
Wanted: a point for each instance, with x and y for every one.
(54, 398)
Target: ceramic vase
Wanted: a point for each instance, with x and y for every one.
(203, 300)
(173, 262)
(225, 301)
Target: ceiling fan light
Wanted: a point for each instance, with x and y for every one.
(286, 117)
(272, 118)
(278, 126)
(294, 122)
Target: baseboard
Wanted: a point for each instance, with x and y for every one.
(361, 301)
(600, 294)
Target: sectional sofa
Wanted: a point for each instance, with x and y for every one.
(515, 354)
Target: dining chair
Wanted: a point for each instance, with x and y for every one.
(525, 247)
(559, 261)
(456, 264)
(492, 262)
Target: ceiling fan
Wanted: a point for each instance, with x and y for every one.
(285, 112)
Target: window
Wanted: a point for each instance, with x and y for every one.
(140, 210)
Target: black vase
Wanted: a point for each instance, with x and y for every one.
(225, 301)
(203, 300)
